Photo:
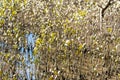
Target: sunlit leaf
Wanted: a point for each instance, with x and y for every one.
(2, 21)
(67, 42)
(51, 78)
(109, 29)
(119, 76)
(86, 0)
(80, 46)
(35, 50)
(14, 13)
(82, 13)
(15, 46)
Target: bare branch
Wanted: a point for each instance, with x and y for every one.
(108, 4)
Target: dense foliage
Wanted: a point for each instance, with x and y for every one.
(74, 41)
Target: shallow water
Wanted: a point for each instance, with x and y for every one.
(28, 56)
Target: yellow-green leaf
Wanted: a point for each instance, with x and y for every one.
(35, 50)
(14, 13)
(109, 29)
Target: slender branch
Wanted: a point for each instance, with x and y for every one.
(108, 4)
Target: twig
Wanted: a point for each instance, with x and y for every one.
(108, 4)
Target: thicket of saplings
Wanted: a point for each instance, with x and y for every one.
(70, 44)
